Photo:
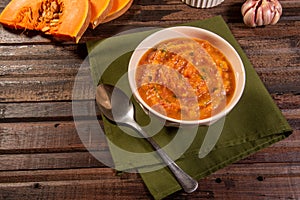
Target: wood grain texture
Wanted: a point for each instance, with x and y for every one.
(42, 155)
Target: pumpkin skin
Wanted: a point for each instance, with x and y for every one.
(70, 18)
(99, 10)
(119, 7)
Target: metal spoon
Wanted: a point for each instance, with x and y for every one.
(116, 106)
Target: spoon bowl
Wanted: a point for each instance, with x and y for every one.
(114, 103)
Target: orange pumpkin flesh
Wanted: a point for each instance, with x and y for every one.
(14, 13)
(64, 19)
(99, 10)
(119, 7)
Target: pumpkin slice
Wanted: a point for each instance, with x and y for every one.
(63, 19)
(119, 7)
(99, 9)
(19, 14)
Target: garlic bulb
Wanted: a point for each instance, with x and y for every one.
(261, 12)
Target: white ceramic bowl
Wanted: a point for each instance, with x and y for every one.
(203, 3)
(190, 32)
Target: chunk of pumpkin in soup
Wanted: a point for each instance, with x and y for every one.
(185, 78)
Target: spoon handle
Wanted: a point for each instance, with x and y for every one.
(186, 181)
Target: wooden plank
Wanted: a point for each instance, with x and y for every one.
(36, 110)
(64, 175)
(42, 52)
(286, 100)
(43, 89)
(45, 137)
(272, 73)
(103, 188)
(235, 182)
(164, 14)
(39, 68)
(266, 170)
(289, 105)
(288, 49)
(4, 3)
(255, 181)
(58, 89)
(37, 89)
(71, 160)
(112, 28)
(279, 84)
(11, 162)
(63, 137)
(62, 148)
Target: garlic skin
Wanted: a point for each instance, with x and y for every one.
(261, 12)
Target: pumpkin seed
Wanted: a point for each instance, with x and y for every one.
(53, 6)
(50, 12)
(54, 20)
(45, 29)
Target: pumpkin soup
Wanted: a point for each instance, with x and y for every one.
(185, 78)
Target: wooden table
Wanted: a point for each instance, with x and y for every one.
(42, 156)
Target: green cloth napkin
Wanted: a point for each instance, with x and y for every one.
(253, 124)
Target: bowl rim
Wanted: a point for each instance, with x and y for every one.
(143, 47)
